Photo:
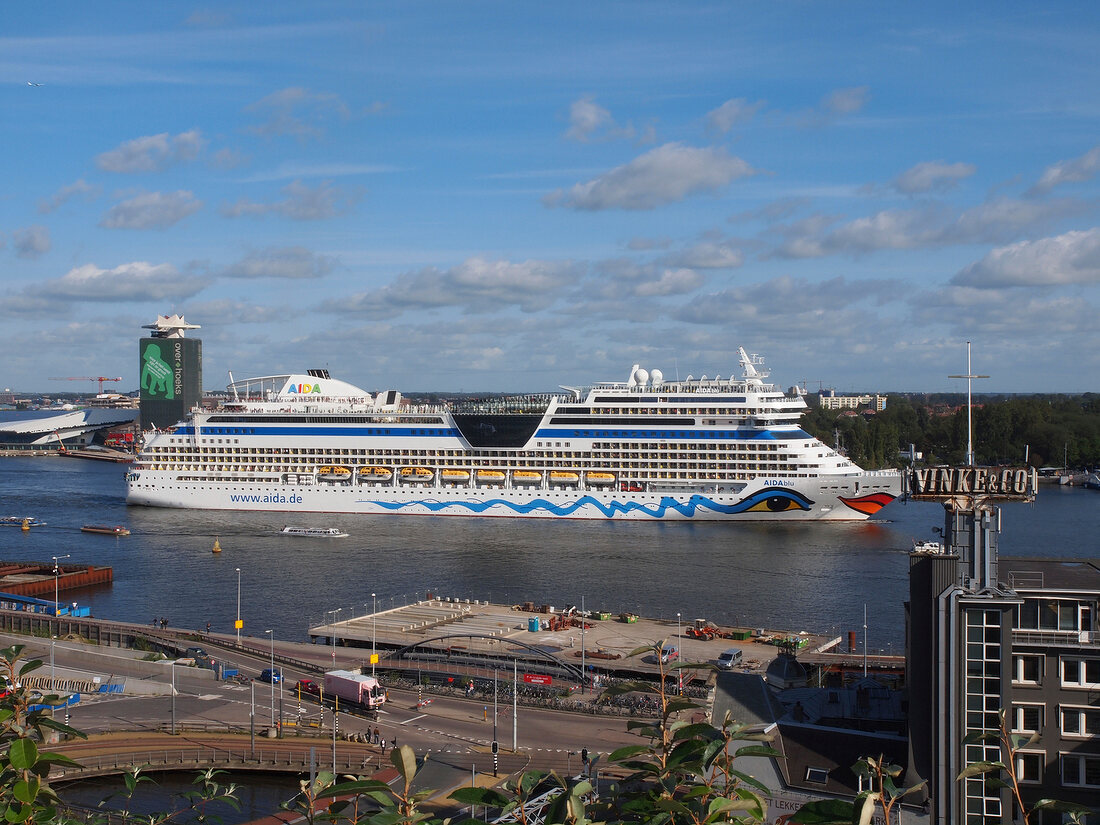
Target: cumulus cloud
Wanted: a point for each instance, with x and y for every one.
(1006, 315)
(133, 282)
(804, 306)
(154, 153)
(151, 210)
(663, 175)
(78, 189)
(837, 104)
(925, 226)
(31, 242)
(298, 112)
(732, 112)
(620, 278)
(302, 203)
(1072, 258)
(477, 285)
(707, 254)
(932, 175)
(1068, 171)
(589, 121)
(774, 211)
(291, 262)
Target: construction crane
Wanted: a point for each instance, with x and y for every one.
(99, 378)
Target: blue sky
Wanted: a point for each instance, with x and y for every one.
(510, 196)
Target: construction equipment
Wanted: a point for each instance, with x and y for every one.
(705, 630)
(99, 378)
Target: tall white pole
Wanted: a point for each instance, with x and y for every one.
(373, 633)
(173, 698)
(970, 376)
(238, 622)
(864, 640)
(272, 634)
(584, 673)
(680, 681)
(515, 702)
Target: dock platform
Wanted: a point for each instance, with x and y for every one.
(474, 628)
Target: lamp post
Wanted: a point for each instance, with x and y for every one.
(238, 625)
(373, 634)
(680, 679)
(272, 673)
(584, 673)
(56, 573)
(332, 624)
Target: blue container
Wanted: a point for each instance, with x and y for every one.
(533, 624)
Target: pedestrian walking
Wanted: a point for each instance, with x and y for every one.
(383, 746)
(376, 735)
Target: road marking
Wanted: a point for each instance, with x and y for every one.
(421, 716)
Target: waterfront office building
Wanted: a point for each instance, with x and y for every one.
(984, 634)
(170, 367)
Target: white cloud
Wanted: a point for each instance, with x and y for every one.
(137, 281)
(586, 116)
(846, 101)
(1072, 258)
(620, 279)
(302, 203)
(663, 175)
(476, 285)
(292, 262)
(588, 120)
(838, 103)
(925, 226)
(732, 112)
(1068, 171)
(298, 112)
(932, 175)
(707, 255)
(151, 210)
(79, 188)
(154, 153)
(31, 242)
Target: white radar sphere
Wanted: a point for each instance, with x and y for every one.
(657, 376)
(641, 376)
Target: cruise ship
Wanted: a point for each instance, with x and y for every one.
(706, 449)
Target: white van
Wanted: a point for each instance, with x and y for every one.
(729, 659)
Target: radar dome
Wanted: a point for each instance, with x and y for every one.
(641, 376)
(657, 376)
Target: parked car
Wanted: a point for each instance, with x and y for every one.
(729, 659)
(272, 676)
(669, 653)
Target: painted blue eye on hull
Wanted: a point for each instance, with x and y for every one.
(774, 500)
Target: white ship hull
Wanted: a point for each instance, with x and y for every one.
(647, 448)
(758, 501)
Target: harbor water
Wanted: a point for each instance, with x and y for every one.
(799, 576)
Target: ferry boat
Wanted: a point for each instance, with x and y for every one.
(644, 448)
(314, 532)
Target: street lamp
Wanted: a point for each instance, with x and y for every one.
(681, 679)
(332, 624)
(373, 634)
(272, 673)
(238, 625)
(56, 573)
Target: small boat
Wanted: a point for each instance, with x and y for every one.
(596, 477)
(490, 477)
(563, 477)
(454, 476)
(526, 477)
(106, 529)
(314, 532)
(416, 475)
(375, 473)
(26, 522)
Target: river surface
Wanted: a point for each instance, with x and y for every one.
(807, 576)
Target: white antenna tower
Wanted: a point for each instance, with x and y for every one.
(969, 407)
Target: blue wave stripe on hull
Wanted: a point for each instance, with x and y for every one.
(781, 500)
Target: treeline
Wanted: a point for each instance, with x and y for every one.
(1042, 428)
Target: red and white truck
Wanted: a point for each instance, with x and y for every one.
(355, 689)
